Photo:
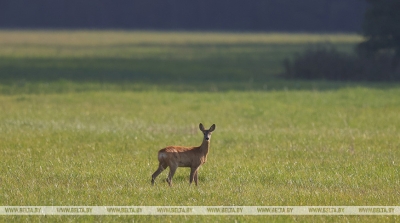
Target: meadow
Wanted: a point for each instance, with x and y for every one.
(83, 114)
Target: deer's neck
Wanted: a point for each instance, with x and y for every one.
(205, 145)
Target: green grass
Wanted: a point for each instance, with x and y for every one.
(276, 142)
(269, 148)
(151, 56)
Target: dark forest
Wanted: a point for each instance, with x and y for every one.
(229, 15)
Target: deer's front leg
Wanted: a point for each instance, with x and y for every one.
(193, 175)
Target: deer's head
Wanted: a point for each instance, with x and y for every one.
(207, 133)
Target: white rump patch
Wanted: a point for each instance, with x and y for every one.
(162, 156)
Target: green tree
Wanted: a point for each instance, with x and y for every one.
(381, 28)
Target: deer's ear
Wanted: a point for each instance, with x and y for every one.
(212, 128)
(201, 127)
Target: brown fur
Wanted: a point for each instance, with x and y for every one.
(179, 156)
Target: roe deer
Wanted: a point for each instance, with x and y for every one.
(179, 156)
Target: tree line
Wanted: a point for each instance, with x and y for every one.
(377, 58)
(230, 15)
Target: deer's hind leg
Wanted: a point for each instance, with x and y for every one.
(161, 167)
(172, 169)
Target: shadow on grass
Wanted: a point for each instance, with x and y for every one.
(41, 76)
(66, 86)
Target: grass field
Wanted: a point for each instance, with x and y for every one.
(151, 57)
(85, 140)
